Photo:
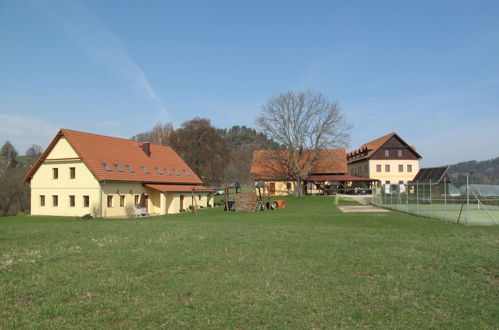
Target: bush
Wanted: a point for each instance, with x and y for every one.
(130, 210)
(96, 211)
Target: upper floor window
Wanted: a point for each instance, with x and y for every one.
(387, 168)
(401, 168)
(55, 173)
(378, 168)
(409, 168)
(72, 172)
(387, 153)
(399, 153)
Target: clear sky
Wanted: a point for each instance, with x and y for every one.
(428, 70)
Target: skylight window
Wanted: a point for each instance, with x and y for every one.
(159, 171)
(130, 168)
(119, 168)
(176, 172)
(107, 167)
(168, 171)
(145, 170)
(186, 173)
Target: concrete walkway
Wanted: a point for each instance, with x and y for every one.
(361, 208)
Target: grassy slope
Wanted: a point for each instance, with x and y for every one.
(302, 267)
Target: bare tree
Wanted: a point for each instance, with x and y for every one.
(159, 134)
(303, 123)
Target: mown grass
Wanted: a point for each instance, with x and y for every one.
(306, 266)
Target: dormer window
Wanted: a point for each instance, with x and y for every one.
(387, 153)
(168, 171)
(130, 168)
(186, 173)
(176, 172)
(107, 167)
(119, 168)
(159, 171)
(399, 153)
(146, 171)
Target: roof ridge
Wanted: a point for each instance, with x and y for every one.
(110, 137)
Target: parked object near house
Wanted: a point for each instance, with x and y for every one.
(81, 173)
(327, 176)
(388, 159)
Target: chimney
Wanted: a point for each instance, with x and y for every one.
(146, 146)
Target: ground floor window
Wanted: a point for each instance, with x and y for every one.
(109, 201)
(86, 201)
(55, 200)
(122, 200)
(42, 200)
(136, 200)
(288, 185)
(71, 201)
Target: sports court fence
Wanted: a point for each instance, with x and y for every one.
(442, 201)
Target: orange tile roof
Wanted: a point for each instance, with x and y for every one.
(265, 167)
(369, 148)
(96, 149)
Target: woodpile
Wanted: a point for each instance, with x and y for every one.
(245, 202)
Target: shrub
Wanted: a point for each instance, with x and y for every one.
(130, 210)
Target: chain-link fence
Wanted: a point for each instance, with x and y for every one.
(442, 200)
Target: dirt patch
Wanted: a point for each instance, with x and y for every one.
(361, 208)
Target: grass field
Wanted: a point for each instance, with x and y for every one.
(306, 266)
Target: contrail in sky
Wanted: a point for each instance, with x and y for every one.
(87, 32)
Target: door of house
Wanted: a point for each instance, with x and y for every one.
(181, 202)
(272, 188)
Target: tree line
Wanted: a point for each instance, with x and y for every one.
(14, 193)
(218, 156)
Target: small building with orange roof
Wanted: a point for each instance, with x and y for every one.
(388, 159)
(82, 173)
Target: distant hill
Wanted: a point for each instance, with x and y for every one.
(484, 172)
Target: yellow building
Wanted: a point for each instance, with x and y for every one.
(388, 159)
(82, 173)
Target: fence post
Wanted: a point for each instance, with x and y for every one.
(407, 197)
(431, 205)
(468, 199)
(445, 199)
(417, 197)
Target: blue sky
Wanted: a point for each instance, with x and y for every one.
(428, 70)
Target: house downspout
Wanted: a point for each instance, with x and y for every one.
(103, 182)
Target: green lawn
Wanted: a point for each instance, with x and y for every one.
(306, 266)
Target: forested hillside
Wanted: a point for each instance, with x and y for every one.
(484, 172)
(219, 156)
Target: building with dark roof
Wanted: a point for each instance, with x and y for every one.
(388, 159)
